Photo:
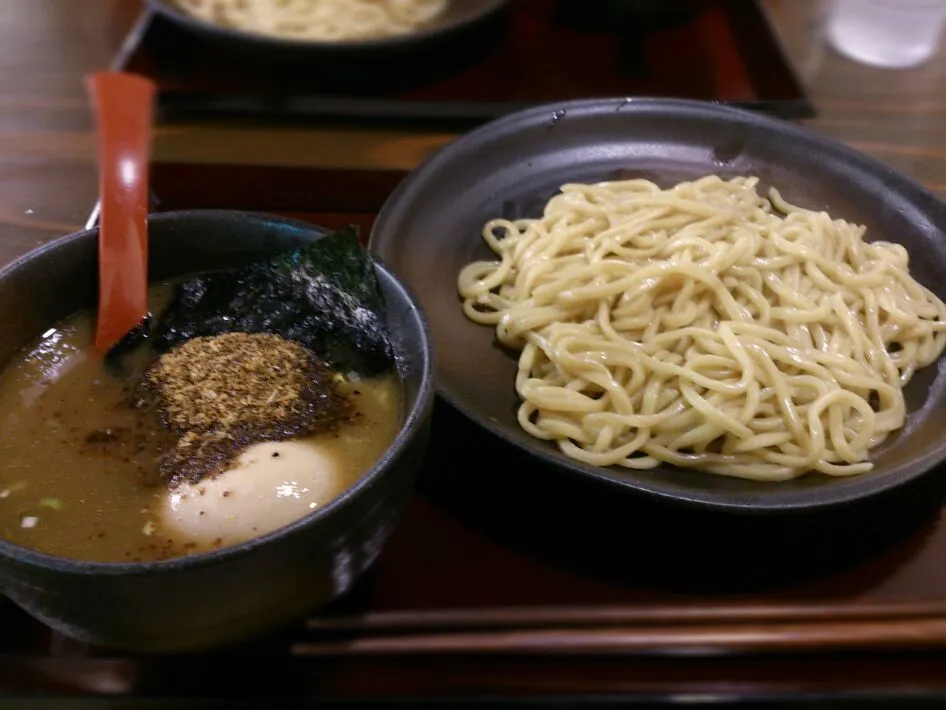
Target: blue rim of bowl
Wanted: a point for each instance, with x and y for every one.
(409, 428)
(860, 489)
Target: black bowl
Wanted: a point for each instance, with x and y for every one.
(236, 592)
(431, 226)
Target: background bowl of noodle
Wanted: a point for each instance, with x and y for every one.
(328, 26)
(432, 228)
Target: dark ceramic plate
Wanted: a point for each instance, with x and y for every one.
(459, 15)
(430, 228)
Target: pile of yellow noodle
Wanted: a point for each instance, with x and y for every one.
(325, 20)
(704, 326)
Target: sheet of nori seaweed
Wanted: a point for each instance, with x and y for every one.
(324, 295)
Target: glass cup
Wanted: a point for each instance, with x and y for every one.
(886, 33)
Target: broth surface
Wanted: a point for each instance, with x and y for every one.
(78, 473)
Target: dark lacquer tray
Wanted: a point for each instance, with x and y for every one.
(538, 51)
(506, 581)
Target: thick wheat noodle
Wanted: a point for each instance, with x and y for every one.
(704, 326)
(318, 19)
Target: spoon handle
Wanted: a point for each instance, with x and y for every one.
(123, 105)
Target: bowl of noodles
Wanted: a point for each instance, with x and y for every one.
(683, 300)
(332, 25)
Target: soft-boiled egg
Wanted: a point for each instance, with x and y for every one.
(271, 485)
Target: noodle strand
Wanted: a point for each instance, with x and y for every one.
(332, 20)
(704, 326)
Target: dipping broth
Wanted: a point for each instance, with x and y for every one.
(79, 476)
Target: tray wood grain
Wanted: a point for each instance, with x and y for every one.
(721, 50)
(489, 588)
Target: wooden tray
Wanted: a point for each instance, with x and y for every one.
(489, 589)
(721, 50)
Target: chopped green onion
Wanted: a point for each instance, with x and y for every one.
(53, 503)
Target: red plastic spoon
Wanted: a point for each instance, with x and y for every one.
(122, 104)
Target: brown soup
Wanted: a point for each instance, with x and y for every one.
(77, 478)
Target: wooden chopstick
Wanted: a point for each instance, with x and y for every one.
(596, 616)
(792, 637)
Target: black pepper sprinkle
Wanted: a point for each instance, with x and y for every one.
(226, 494)
(275, 454)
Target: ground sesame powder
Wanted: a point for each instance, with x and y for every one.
(221, 393)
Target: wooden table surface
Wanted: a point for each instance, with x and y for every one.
(47, 149)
